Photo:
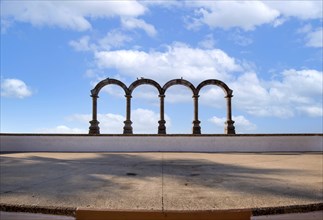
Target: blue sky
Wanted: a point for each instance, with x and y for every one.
(268, 52)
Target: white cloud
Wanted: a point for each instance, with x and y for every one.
(212, 96)
(305, 29)
(177, 61)
(241, 124)
(73, 15)
(302, 82)
(15, 88)
(63, 129)
(315, 38)
(312, 111)
(82, 44)
(247, 15)
(300, 9)
(296, 91)
(145, 121)
(109, 123)
(208, 42)
(228, 14)
(135, 23)
(114, 39)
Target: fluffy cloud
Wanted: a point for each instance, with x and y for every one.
(113, 39)
(83, 44)
(241, 124)
(228, 14)
(208, 42)
(15, 88)
(146, 121)
(247, 15)
(297, 91)
(68, 14)
(315, 38)
(312, 111)
(134, 23)
(300, 9)
(177, 61)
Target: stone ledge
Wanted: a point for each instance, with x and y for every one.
(164, 135)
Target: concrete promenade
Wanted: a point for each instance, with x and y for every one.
(161, 181)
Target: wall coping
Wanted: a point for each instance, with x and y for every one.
(165, 135)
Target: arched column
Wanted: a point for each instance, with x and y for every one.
(162, 127)
(127, 129)
(196, 122)
(229, 127)
(94, 127)
(143, 81)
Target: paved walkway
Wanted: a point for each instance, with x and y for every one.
(161, 181)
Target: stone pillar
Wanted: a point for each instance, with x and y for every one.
(162, 127)
(94, 127)
(127, 129)
(196, 122)
(228, 125)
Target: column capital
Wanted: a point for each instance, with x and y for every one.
(195, 96)
(94, 96)
(128, 96)
(161, 95)
(228, 96)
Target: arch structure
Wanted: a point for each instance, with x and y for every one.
(94, 128)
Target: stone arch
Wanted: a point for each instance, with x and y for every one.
(94, 127)
(229, 127)
(108, 81)
(222, 85)
(139, 82)
(196, 123)
(142, 81)
(180, 82)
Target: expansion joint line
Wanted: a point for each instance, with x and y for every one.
(162, 171)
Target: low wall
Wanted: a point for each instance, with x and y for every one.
(156, 143)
